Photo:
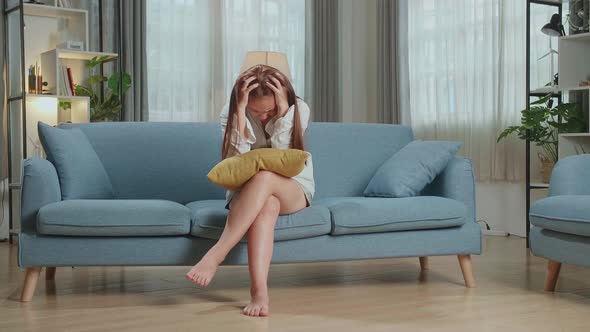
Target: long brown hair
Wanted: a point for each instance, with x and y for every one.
(263, 74)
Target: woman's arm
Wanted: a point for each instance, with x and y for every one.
(238, 140)
(283, 126)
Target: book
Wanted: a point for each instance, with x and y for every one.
(64, 80)
(65, 3)
(60, 82)
(71, 81)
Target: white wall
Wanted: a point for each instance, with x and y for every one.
(502, 205)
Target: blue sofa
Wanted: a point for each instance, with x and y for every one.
(166, 212)
(560, 222)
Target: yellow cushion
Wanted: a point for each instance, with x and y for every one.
(231, 173)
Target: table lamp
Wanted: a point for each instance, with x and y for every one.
(273, 59)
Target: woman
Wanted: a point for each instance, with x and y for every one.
(263, 112)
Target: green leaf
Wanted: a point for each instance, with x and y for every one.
(542, 100)
(96, 79)
(508, 131)
(113, 83)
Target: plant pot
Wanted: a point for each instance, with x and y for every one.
(63, 115)
(547, 165)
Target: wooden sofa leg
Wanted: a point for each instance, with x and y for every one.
(50, 273)
(465, 263)
(31, 277)
(423, 262)
(553, 269)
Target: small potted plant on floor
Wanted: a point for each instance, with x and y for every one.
(543, 122)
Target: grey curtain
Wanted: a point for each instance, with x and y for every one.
(322, 64)
(134, 59)
(3, 100)
(388, 107)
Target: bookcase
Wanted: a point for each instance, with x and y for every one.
(36, 35)
(573, 67)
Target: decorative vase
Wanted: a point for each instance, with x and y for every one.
(546, 167)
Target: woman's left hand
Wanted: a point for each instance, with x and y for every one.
(280, 92)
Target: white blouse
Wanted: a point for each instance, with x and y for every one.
(279, 129)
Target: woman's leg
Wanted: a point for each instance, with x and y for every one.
(242, 214)
(260, 247)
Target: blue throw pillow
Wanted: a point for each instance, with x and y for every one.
(411, 169)
(80, 171)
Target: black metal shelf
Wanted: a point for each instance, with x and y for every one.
(530, 94)
(22, 95)
(539, 187)
(543, 94)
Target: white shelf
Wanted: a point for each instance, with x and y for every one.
(61, 97)
(577, 88)
(540, 184)
(581, 37)
(575, 135)
(84, 55)
(51, 11)
(546, 90)
(573, 144)
(560, 89)
(75, 60)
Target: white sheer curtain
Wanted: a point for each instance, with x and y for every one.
(195, 49)
(467, 76)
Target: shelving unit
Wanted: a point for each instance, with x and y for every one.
(539, 92)
(76, 60)
(34, 35)
(573, 67)
(52, 10)
(45, 108)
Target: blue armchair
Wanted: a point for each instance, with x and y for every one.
(561, 222)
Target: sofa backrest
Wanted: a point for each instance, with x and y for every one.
(170, 160)
(346, 155)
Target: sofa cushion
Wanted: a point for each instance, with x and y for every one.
(80, 171)
(209, 216)
(411, 169)
(108, 217)
(566, 214)
(356, 215)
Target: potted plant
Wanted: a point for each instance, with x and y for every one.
(543, 123)
(109, 108)
(64, 111)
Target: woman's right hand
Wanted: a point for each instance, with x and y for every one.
(244, 92)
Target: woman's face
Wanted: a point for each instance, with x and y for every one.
(264, 108)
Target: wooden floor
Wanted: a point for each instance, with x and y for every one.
(370, 295)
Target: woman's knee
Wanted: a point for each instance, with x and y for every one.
(263, 177)
(271, 207)
(263, 181)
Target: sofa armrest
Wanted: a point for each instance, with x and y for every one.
(456, 182)
(40, 186)
(571, 176)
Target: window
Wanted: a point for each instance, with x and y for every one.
(195, 49)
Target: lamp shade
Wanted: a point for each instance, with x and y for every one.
(273, 59)
(554, 27)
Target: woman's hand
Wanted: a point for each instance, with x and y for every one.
(280, 92)
(244, 92)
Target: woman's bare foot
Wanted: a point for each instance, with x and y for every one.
(259, 304)
(202, 273)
